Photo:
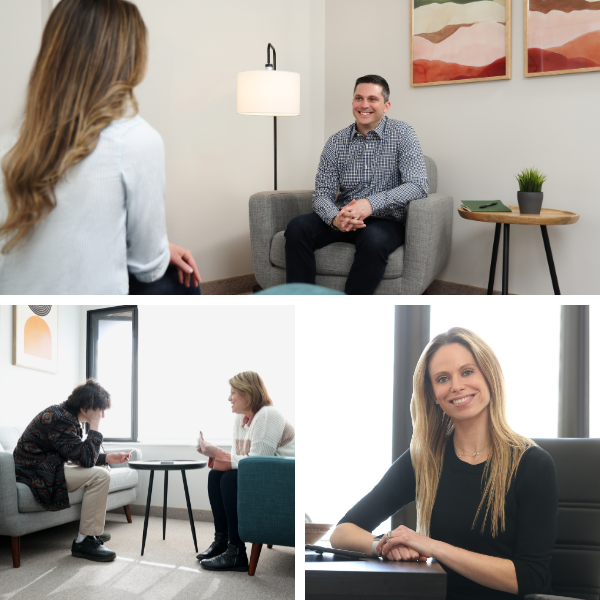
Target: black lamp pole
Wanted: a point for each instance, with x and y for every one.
(273, 67)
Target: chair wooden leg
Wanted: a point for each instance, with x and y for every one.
(269, 546)
(127, 513)
(256, 548)
(15, 543)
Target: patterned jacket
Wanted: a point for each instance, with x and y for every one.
(50, 440)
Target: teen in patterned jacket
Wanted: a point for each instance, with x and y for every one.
(53, 460)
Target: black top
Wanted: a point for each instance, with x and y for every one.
(531, 511)
(167, 464)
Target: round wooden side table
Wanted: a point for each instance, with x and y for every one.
(548, 216)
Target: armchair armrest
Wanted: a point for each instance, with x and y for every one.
(9, 507)
(266, 500)
(270, 212)
(428, 240)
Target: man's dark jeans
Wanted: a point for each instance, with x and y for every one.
(222, 493)
(374, 243)
(167, 285)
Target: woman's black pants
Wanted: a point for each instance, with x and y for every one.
(222, 493)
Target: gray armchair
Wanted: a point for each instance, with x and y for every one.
(20, 512)
(575, 563)
(411, 268)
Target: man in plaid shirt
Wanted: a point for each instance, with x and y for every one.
(377, 165)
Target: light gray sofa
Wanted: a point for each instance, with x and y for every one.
(411, 268)
(20, 512)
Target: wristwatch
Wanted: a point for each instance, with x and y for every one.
(375, 542)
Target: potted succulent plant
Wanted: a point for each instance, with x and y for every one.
(531, 196)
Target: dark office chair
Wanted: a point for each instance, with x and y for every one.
(576, 557)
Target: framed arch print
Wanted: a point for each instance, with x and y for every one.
(561, 36)
(35, 337)
(459, 41)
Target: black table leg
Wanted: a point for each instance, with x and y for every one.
(189, 506)
(147, 510)
(494, 259)
(165, 504)
(550, 260)
(505, 259)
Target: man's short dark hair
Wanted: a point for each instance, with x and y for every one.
(377, 80)
(88, 395)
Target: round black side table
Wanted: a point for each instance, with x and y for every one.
(166, 466)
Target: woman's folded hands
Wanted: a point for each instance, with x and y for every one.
(406, 544)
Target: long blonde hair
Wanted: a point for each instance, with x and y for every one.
(432, 429)
(93, 53)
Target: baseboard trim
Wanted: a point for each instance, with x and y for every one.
(172, 513)
(230, 286)
(448, 288)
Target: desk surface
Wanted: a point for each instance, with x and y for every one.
(333, 577)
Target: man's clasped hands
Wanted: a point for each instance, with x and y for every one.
(406, 544)
(351, 217)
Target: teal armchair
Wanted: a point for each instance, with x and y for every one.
(266, 501)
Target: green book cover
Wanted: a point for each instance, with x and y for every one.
(474, 206)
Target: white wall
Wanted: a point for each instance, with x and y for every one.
(216, 159)
(20, 36)
(25, 392)
(480, 135)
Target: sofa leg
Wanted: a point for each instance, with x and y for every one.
(269, 546)
(127, 513)
(15, 543)
(256, 548)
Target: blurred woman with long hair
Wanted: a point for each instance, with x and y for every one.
(84, 184)
(486, 496)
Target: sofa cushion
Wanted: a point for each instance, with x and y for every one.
(9, 436)
(337, 258)
(120, 479)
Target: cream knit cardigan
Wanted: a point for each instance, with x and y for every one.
(267, 433)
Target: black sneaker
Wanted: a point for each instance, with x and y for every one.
(104, 537)
(217, 547)
(91, 547)
(233, 559)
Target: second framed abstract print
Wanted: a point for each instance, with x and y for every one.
(561, 36)
(459, 41)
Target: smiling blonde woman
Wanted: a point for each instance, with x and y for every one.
(486, 496)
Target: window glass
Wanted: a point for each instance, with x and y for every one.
(345, 380)
(527, 345)
(594, 389)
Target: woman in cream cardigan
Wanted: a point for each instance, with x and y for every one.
(258, 430)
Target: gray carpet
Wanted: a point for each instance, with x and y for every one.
(168, 570)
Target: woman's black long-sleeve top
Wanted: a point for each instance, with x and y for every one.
(531, 511)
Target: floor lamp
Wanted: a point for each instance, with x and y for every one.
(269, 93)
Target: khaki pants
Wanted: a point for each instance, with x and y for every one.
(95, 480)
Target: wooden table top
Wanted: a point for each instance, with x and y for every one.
(548, 216)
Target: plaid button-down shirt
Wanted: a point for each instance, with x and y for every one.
(387, 168)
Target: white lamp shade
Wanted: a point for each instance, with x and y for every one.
(268, 93)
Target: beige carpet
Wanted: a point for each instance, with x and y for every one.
(168, 570)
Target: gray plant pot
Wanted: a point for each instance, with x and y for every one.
(530, 203)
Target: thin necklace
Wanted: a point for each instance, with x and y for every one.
(468, 453)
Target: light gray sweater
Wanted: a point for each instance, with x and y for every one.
(109, 219)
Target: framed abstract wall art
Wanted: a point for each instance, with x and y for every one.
(459, 41)
(561, 36)
(35, 337)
